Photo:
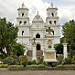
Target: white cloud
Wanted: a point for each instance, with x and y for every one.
(66, 13)
(9, 8)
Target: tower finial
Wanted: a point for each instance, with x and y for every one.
(37, 12)
(23, 5)
(52, 5)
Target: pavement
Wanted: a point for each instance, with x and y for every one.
(38, 72)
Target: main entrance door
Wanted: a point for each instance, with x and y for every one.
(38, 47)
(39, 52)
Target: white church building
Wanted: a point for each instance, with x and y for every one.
(39, 37)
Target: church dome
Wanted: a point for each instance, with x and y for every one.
(37, 18)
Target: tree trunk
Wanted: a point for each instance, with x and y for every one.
(8, 50)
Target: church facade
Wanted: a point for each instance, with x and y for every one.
(39, 37)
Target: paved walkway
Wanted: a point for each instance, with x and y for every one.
(42, 72)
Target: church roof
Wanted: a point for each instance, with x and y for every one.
(37, 18)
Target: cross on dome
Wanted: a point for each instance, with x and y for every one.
(23, 5)
(52, 5)
(37, 12)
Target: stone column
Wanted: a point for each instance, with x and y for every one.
(34, 52)
(65, 50)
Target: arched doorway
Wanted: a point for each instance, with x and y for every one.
(38, 47)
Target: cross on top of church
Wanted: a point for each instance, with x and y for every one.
(23, 5)
(37, 12)
(49, 30)
(52, 5)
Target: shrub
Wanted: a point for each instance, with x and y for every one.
(29, 63)
(46, 64)
(15, 66)
(18, 49)
(59, 66)
(2, 56)
(3, 65)
(60, 59)
(37, 66)
(59, 48)
(33, 62)
(8, 60)
(66, 66)
(40, 60)
(41, 66)
(67, 61)
(73, 60)
(55, 64)
(23, 60)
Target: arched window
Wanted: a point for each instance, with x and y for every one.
(25, 22)
(52, 14)
(20, 22)
(22, 14)
(54, 22)
(22, 32)
(50, 22)
(37, 36)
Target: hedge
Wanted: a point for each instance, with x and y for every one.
(3, 65)
(66, 66)
(37, 66)
(15, 66)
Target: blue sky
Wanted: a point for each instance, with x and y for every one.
(61, 2)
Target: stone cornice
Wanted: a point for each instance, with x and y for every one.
(52, 8)
(22, 18)
(52, 17)
(35, 29)
(56, 35)
(26, 36)
(23, 9)
(51, 25)
(23, 25)
(37, 21)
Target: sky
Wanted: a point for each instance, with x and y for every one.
(66, 9)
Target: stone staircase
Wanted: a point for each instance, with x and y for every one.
(39, 53)
(29, 55)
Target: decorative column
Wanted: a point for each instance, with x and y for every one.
(34, 51)
(65, 48)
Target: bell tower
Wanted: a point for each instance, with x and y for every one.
(52, 21)
(23, 25)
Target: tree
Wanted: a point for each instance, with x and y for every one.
(62, 40)
(8, 34)
(69, 33)
(18, 49)
(59, 48)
